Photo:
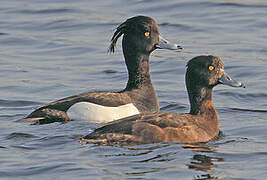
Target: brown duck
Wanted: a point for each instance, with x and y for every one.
(201, 124)
(140, 37)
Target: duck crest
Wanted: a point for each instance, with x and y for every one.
(131, 24)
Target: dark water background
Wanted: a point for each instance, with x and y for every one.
(50, 49)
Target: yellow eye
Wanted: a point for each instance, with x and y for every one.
(211, 68)
(147, 34)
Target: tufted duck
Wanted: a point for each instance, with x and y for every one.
(140, 37)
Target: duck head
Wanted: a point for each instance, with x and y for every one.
(141, 35)
(203, 73)
(208, 71)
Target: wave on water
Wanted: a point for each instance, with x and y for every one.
(18, 103)
(47, 11)
(182, 27)
(232, 4)
(249, 110)
(173, 107)
(20, 136)
(240, 4)
(243, 96)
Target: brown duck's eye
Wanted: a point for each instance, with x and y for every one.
(211, 68)
(147, 34)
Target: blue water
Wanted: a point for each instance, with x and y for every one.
(57, 48)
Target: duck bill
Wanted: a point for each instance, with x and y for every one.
(164, 44)
(227, 80)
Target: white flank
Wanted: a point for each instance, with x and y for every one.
(95, 113)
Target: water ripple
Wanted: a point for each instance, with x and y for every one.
(47, 11)
(33, 170)
(182, 27)
(18, 103)
(20, 136)
(249, 110)
(245, 96)
(2, 34)
(173, 107)
(55, 48)
(232, 4)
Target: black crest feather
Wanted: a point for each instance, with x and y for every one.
(120, 31)
(133, 23)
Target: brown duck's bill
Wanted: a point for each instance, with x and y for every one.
(227, 80)
(164, 44)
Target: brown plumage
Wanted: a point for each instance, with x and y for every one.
(200, 125)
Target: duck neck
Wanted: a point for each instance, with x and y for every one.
(201, 101)
(138, 70)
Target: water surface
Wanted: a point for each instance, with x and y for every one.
(54, 49)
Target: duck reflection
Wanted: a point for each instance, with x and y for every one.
(173, 158)
(203, 162)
